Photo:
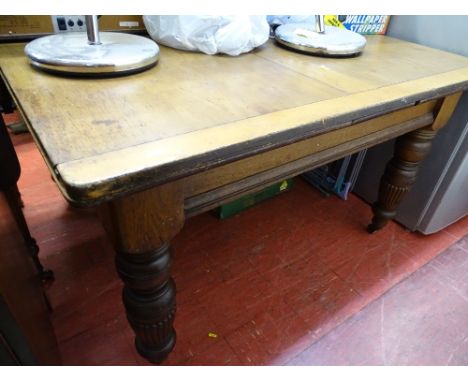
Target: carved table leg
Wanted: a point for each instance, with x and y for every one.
(141, 226)
(400, 175)
(149, 298)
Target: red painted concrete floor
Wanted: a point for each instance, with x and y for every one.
(270, 286)
(420, 321)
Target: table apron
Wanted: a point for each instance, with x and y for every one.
(217, 186)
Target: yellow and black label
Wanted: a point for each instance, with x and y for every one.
(333, 21)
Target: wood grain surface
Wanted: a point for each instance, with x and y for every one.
(193, 112)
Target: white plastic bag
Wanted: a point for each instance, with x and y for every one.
(276, 20)
(232, 35)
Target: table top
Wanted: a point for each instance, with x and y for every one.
(193, 111)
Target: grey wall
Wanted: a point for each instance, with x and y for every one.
(449, 33)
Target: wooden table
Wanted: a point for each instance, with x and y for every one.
(152, 149)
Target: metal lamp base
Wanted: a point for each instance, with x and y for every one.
(336, 42)
(70, 53)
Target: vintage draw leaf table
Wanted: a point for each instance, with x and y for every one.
(152, 149)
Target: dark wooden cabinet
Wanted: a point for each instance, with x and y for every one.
(26, 333)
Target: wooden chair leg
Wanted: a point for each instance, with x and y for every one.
(14, 201)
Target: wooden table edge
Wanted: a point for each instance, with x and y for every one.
(93, 180)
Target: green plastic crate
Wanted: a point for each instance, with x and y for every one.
(232, 208)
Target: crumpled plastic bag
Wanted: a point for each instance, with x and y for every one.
(275, 20)
(232, 35)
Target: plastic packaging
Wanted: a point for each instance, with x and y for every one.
(275, 20)
(232, 35)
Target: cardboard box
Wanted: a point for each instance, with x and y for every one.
(27, 27)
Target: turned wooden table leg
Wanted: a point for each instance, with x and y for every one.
(149, 299)
(141, 226)
(400, 173)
